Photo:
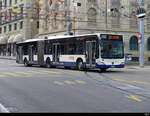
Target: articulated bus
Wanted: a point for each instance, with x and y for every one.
(88, 51)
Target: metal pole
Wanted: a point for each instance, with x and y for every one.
(141, 45)
(68, 18)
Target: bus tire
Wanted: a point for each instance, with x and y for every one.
(48, 63)
(103, 69)
(80, 65)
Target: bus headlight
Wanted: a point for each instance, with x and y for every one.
(123, 63)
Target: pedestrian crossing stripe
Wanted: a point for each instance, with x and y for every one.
(68, 82)
(28, 73)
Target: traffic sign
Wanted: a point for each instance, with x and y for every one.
(139, 36)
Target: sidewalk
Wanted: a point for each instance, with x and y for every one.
(8, 57)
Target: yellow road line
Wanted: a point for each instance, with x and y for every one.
(135, 98)
(70, 82)
(10, 74)
(132, 82)
(2, 75)
(80, 82)
(35, 72)
(77, 71)
(58, 83)
(24, 73)
(51, 72)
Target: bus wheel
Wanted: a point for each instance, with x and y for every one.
(48, 63)
(103, 69)
(80, 65)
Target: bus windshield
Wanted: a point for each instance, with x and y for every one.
(112, 49)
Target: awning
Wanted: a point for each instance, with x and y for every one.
(3, 40)
(18, 38)
(11, 38)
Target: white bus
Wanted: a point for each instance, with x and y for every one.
(88, 51)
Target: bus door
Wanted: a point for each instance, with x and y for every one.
(31, 55)
(91, 53)
(19, 54)
(56, 52)
(41, 52)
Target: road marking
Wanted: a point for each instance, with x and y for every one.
(51, 72)
(3, 109)
(80, 82)
(2, 75)
(67, 82)
(131, 82)
(58, 83)
(135, 98)
(77, 71)
(11, 74)
(35, 72)
(24, 73)
(70, 82)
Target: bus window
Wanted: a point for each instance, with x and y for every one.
(62, 48)
(72, 48)
(25, 50)
(48, 48)
(80, 48)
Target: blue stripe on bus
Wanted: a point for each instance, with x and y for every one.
(110, 66)
(72, 64)
(67, 63)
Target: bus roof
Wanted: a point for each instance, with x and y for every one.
(63, 36)
(54, 37)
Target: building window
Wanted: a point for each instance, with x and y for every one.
(15, 26)
(5, 3)
(148, 44)
(10, 27)
(38, 24)
(134, 43)
(21, 25)
(1, 5)
(10, 2)
(5, 29)
(15, 1)
(0, 30)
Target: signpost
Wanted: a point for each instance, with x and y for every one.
(141, 13)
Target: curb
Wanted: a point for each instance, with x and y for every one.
(8, 58)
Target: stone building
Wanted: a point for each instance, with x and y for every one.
(97, 16)
(18, 22)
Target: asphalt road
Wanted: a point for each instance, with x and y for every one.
(36, 89)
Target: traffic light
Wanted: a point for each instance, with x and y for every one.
(141, 13)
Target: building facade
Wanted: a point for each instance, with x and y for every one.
(18, 22)
(97, 16)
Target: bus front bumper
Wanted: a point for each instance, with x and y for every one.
(110, 66)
